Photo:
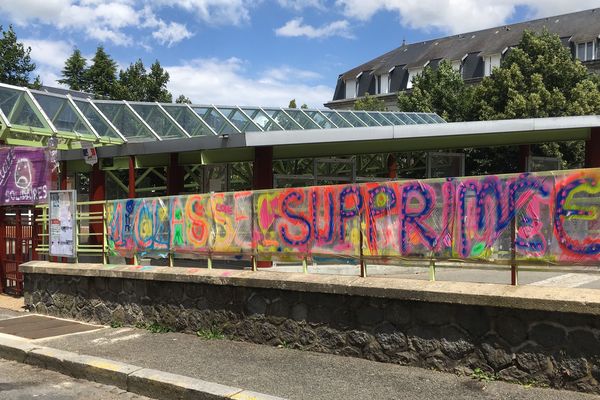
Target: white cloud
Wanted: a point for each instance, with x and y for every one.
(216, 81)
(49, 56)
(171, 33)
(299, 5)
(296, 27)
(455, 16)
(216, 12)
(102, 20)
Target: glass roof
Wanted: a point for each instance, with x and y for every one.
(29, 112)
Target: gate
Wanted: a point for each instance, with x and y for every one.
(16, 246)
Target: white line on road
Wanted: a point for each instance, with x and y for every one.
(568, 280)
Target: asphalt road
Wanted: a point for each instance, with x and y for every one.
(289, 373)
(24, 382)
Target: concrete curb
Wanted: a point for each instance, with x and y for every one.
(147, 382)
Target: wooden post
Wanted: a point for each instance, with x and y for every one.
(262, 178)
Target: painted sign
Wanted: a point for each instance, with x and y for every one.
(63, 239)
(24, 175)
(551, 217)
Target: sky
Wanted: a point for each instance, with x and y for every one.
(261, 52)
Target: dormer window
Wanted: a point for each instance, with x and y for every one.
(412, 73)
(382, 84)
(491, 62)
(351, 88)
(586, 51)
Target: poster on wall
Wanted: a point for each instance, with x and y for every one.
(24, 176)
(63, 232)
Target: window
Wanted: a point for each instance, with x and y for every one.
(351, 88)
(586, 51)
(491, 62)
(382, 84)
(411, 74)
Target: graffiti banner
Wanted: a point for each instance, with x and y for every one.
(550, 217)
(24, 176)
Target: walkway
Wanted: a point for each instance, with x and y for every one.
(285, 372)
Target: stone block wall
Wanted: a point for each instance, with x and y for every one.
(561, 350)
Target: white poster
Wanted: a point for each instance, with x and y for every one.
(89, 153)
(63, 229)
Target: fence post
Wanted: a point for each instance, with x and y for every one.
(363, 263)
(432, 268)
(304, 265)
(514, 268)
(104, 235)
(254, 263)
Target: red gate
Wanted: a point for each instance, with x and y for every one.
(16, 246)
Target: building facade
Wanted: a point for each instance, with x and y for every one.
(473, 54)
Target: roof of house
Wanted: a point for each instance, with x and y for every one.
(574, 27)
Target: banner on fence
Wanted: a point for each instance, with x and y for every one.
(24, 176)
(551, 217)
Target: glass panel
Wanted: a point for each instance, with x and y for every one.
(16, 106)
(417, 118)
(581, 51)
(63, 114)
(215, 120)
(286, 122)
(239, 119)
(336, 119)
(438, 119)
(392, 117)
(320, 119)
(188, 120)
(353, 119)
(405, 118)
(302, 119)
(364, 117)
(96, 120)
(429, 118)
(590, 51)
(158, 121)
(261, 119)
(380, 118)
(125, 121)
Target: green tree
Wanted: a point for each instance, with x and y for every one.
(292, 104)
(538, 78)
(370, 103)
(15, 59)
(156, 84)
(442, 91)
(183, 100)
(74, 72)
(102, 74)
(304, 106)
(132, 84)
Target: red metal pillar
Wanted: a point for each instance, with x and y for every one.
(63, 175)
(592, 149)
(262, 178)
(175, 175)
(131, 181)
(97, 193)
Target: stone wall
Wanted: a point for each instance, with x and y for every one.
(558, 349)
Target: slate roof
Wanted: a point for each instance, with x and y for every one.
(574, 27)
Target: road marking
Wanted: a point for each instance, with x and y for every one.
(103, 340)
(568, 280)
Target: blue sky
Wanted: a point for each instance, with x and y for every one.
(252, 52)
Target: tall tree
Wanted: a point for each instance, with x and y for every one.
(102, 74)
(156, 88)
(15, 59)
(540, 78)
(182, 99)
(370, 103)
(132, 84)
(442, 91)
(74, 72)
